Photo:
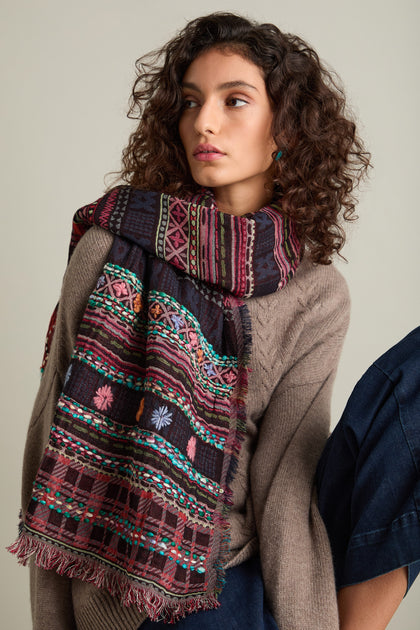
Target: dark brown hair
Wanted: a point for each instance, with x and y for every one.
(323, 158)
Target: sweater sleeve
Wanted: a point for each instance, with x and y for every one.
(51, 594)
(294, 549)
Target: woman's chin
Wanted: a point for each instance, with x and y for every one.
(207, 182)
(209, 178)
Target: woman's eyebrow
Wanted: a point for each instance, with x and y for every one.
(222, 86)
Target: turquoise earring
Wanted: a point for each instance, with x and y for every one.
(278, 156)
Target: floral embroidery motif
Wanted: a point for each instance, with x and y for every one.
(209, 367)
(230, 376)
(156, 310)
(120, 289)
(140, 409)
(101, 282)
(137, 303)
(193, 337)
(161, 417)
(192, 442)
(104, 398)
(200, 355)
(177, 321)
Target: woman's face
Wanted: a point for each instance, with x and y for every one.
(225, 126)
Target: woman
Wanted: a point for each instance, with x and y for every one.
(185, 398)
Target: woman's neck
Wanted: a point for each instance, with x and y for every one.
(241, 200)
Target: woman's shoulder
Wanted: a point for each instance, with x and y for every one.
(85, 266)
(319, 283)
(93, 246)
(312, 286)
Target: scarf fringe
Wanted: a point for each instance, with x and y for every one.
(154, 604)
(243, 324)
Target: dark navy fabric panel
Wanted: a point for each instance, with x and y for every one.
(368, 476)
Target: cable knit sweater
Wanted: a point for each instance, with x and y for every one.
(297, 337)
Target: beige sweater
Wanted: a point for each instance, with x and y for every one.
(297, 338)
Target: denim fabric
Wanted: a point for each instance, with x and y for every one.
(368, 476)
(242, 605)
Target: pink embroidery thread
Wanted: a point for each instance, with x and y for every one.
(191, 448)
(120, 289)
(104, 398)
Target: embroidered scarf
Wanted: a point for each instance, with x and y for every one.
(133, 491)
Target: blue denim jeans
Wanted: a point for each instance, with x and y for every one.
(242, 605)
(369, 474)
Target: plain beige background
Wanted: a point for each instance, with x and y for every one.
(67, 70)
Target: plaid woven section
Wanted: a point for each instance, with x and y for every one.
(133, 490)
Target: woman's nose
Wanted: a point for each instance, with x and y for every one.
(208, 119)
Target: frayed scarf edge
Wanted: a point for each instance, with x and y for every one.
(156, 605)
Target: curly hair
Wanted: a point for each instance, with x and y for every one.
(323, 159)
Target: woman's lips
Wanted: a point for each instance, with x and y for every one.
(207, 153)
(208, 157)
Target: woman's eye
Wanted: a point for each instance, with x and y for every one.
(234, 101)
(189, 104)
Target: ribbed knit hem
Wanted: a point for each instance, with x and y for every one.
(102, 612)
(236, 557)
